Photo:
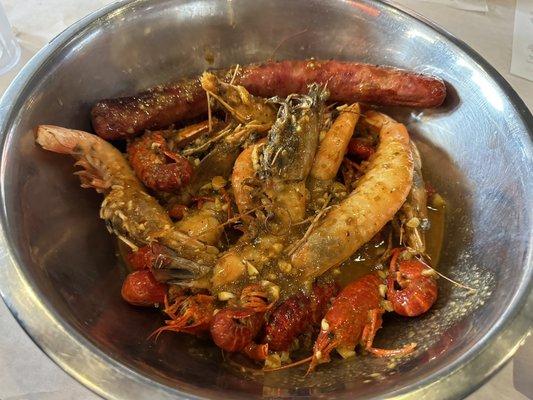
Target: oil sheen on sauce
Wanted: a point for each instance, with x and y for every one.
(366, 259)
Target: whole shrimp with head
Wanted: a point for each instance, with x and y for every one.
(378, 195)
(280, 169)
(129, 211)
(246, 116)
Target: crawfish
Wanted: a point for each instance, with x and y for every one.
(418, 287)
(158, 167)
(188, 314)
(296, 314)
(234, 328)
(353, 318)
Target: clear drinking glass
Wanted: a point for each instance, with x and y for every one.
(9, 48)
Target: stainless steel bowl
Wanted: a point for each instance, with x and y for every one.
(60, 276)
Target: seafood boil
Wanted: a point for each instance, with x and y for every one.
(271, 208)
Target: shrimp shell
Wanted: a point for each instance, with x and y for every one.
(243, 106)
(332, 148)
(243, 170)
(378, 195)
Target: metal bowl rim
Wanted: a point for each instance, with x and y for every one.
(522, 299)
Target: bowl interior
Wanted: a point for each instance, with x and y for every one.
(475, 149)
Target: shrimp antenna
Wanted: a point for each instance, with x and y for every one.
(234, 74)
(209, 114)
(229, 221)
(313, 224)
(285, 40)
(291, 365)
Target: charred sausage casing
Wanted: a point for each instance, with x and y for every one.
(347, 81)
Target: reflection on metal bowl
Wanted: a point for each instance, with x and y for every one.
(61, 278)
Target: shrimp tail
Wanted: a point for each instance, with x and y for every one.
(171, 268)
(57, 139)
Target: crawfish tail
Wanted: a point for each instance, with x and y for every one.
(140, 288)
(288, 321)
(297, 314)
(418, 286)
(257, 352)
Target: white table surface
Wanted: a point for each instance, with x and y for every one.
(27, 374)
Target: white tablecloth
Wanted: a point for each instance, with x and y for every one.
(26, 373)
